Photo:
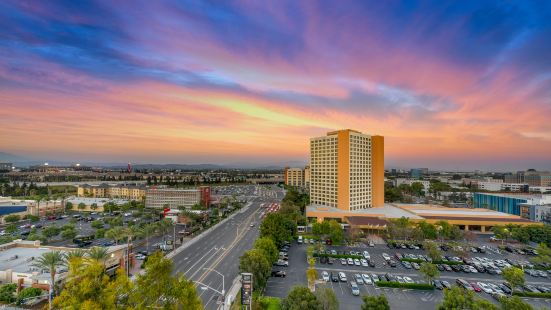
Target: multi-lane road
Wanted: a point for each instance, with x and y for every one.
(217, 253)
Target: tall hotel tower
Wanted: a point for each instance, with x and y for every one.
(347, 170)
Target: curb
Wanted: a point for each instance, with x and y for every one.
(206, 232)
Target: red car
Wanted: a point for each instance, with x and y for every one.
(475, 286)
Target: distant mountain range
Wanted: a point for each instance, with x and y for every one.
(21, 161)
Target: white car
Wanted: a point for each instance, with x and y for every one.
(367, 279)
(364, 262)
(357, 263)
(371, 244)
(342, 276)
(366, 255)
(350, 261)
(485, 287)
(359, 278)
(495, 288)
(325, 276)
(386, 256)
(408, 280)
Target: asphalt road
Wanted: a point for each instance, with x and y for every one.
(220, 250)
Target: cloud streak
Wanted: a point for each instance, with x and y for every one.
(241, 81)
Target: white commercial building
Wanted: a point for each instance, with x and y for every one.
(498, 187)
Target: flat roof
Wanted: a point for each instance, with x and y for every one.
(386, 211)
(99, 201)
(20, 259)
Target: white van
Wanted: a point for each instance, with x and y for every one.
(299, 239)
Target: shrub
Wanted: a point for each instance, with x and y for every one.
(532, 294)
(415, 286)
(7, 292)
(28, 292)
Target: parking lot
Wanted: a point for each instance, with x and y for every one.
(398, 298)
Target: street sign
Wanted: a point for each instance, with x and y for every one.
(246, 288)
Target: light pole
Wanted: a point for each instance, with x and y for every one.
(223, 282)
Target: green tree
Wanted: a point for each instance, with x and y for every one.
(50, 261)
(514, 303)
(77, 253)
(316, 229)
(458, 298)
(514, 276)
(50, 231)
(326, 298)
(94, 206)
(417, 189)
(268, 246)
(300, 298)
(429, 271)
(87, 287)
(68, 234)
(375, 303)
(428, 230)
(100, 233)
(544, 254)
(325, 228)
(311, 275)
(81, 206)
(255, 261)
(158, 288)
(12, 218)
(148, 230)
(336, 233)
(98, 254)
(278, 228)
(97, 224)
(432, 250)
(68, 206)
(115, 233)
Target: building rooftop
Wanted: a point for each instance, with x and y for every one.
(386, 211)
(99, 201)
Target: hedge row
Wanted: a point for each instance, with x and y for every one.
(541, 268)
(338, 255)
(532, 294)
(415, 286)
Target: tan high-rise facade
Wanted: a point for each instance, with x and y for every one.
(347, 170)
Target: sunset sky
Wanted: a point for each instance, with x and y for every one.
(450, 86)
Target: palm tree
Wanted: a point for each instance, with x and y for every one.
(78, 253)
(148, 230)
(51, 260)
(130, 232)
(98, 254)
(115, 233)
(164, 225)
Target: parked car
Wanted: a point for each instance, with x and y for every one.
(367, 279)
(475, 286)
(359, 278)
(354, 288)
(464, 284)
(282, 263)
(342, 277)
(446, 284)
(325, 276)
(279, 273)
(485, 287)
(438, 284)
(334, 277)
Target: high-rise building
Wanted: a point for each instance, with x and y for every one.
(294, 177)
(347, 170)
